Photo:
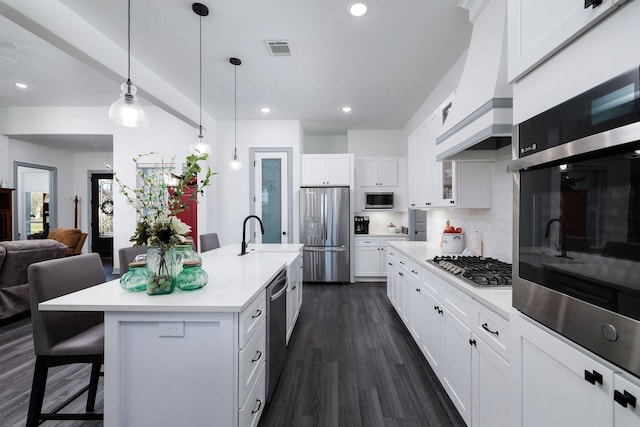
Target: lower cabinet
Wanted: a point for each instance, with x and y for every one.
(559, 384)
(464, 342)
(294, 294)
(370, 255)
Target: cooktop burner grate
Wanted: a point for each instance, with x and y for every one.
(481, 272)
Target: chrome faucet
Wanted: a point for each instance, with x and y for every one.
(560, 245)
(245, 244)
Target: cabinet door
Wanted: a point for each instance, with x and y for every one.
(490, 387)
(554, 390)
(416, 322)
(456, 364)
(338, 170)
(539, 28)
(415, 165)
(626, 392)
(313, 170)
(368, 261)
(432, 333)
(368, 173)
(388, 172)
(391, 280)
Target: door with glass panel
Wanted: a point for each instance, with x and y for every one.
(102, 214)
(271, 196)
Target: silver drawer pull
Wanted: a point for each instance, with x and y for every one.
(258, 313)
(485, 326)
(258, 356)
(255, 411)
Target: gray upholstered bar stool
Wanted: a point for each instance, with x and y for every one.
(63, 337)
(209, 242)
(127, 255)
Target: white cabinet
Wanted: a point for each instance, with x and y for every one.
(626, 412)
(490, 386)
(370, 256)
(539, 28)
(558, 383)
(294, 294)
(456, 363)
(464, 184)
(377, 172)
(327, 169)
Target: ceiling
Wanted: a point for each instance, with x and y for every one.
(384, 64)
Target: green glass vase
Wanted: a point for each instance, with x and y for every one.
(135, 279)
(192, 276)
(160, 265)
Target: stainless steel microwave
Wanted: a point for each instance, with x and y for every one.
(577, 220)
(378, 201)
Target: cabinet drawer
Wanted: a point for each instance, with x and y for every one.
(249, 414)
(460, 304)
(493, 330)
(250, 360)
(414, 269)
(368, 241)
(385, 240)
(251, 317)
(433, 283)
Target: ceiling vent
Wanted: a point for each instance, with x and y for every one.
(278, 47)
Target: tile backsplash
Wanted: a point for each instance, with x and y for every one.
(379, 220)
(495, 224)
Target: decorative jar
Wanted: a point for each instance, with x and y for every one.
(135, 279)
(192, 276)
(184, 253)
(160, 263)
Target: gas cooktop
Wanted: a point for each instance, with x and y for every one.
(480, 272)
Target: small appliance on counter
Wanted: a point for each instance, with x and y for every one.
(361, 224)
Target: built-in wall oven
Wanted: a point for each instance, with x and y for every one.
(577, 219)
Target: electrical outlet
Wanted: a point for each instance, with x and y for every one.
(170, 329)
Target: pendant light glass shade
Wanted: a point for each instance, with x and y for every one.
(235, 163)
(127, 111)
(200, 146)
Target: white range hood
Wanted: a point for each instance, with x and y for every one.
(480, 117)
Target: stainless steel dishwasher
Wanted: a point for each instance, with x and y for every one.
(276, 330)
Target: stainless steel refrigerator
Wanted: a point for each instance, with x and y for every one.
(324, 230)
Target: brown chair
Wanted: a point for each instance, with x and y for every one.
(74, 238)
(62, 338)
(127, 255)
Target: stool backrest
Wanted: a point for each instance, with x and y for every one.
(208, 242)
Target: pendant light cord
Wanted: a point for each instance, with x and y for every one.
(200, 136)
(235, 109)
(129, 45)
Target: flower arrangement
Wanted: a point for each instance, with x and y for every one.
(158, 199)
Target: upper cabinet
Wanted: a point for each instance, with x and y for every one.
(327, 169)
(539, 28)
(377, 172)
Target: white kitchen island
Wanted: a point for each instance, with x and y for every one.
(191, 358)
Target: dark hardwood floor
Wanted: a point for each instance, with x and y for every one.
(351, 363)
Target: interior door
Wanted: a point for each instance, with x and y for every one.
(102, 214)
(272, 196)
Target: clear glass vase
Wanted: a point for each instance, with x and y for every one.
(184, 253)
(135, 279)
(192, 276)
(161, 266)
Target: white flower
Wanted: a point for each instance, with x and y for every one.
(178, 227)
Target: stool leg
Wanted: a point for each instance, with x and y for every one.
(37, 390)
(93, 386)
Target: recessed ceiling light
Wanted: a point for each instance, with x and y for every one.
(265, 110)
(358, 9)
(22, 85)
(347, 109)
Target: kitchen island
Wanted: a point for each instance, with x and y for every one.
(191, 357)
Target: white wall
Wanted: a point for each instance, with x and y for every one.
(601, 53)
(167, 136)
(495, 224)
(325, 144)
(376, 143)
(233, 202)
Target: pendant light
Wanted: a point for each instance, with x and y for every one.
(127, 111)
(200, 146)
(235, 163)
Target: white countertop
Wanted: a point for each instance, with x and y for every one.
(498, 300)
(234, 281)
(383, 234)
